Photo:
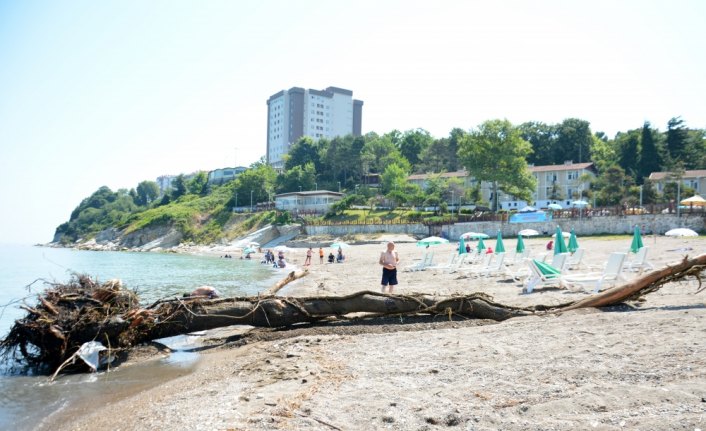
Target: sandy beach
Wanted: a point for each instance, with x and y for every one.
(637, 366)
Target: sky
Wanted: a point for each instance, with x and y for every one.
(116, 92)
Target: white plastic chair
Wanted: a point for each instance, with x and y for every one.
(494, 266)
(426, 262)
(612, 273)
(574, 261)
(639, 263)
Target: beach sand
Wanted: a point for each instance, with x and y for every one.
(638, 366)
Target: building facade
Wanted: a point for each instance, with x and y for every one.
(561, 184)
(694, 179)
(299, 112)
(223, 175)
(310, 202)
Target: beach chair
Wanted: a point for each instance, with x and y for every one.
(452, 260)
(639, 263)
(426, 262)
(495, 266)
(612, 273)
(574, 260)
(452, 266)
(517, 257)
(541, 274)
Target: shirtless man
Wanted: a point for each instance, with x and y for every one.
(389, 260)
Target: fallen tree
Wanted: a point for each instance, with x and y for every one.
(68, 315)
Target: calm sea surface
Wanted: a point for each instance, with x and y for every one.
(27, 401)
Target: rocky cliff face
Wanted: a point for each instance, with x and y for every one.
(152, 237)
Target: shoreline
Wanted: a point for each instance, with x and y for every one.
(640, 367)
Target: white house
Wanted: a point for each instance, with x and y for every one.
(318, 201)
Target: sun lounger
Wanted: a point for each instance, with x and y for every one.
(612, 273)
(639, 263)
(574, 260)
(494, 266)
(541, 274)
(426, 262)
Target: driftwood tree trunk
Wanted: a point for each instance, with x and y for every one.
(67, 316)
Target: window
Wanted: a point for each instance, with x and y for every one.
(572, 175)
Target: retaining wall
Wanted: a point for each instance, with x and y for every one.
(649, 223)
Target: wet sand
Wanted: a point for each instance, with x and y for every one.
(639, 366)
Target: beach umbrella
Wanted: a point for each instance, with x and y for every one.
(681, 232)
(554, 207)
(636, 240)
(527, 209)
(432, 240)
(520, 244)
(546, 269)
(254, 244)
(249, 250)
(461, 246)
(559, 244)
(573, 243)
(695, 200)
(481, 246)
(528, 232)
(474, 235)
(282, 248)
(579, 203)
(499, 246)
(339, 244)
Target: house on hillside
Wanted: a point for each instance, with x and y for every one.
(695, 179)
(223, 175)
(310, 202)
(561, 184)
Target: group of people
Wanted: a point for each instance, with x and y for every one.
(338, 258)
(269, 259)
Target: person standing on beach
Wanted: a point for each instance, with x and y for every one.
(321, 255)
(389, 260)
(307, 262)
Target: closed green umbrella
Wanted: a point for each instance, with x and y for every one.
(636, 240)
(573, 242)
(461, 246)
(559, 243)
(481, 246)
(546, 269)
(499, 247)
(520, 244)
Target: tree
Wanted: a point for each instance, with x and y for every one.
(297, 178)
(381, 152)
(413, 144)
(179, 187)
(677, 135)
(650, 153)
(146, 193)
(258, 182)
(628, 146)
(394, 178)
(304, 151)
(496, 152)
(198, 185)
(442, 154)
(573, 141)
(612, 186)
(542, 137)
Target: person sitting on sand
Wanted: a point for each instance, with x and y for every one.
(489, 250)
(340, 258)
(550, 245)
(331, 257)
(281, 262)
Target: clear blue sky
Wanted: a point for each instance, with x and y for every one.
(110, 93)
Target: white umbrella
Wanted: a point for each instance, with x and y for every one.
(474, 235)
(554, 207)
(283, 248)
(528, 209)
(254, 244)
(528, 232)
(579, 203)
(681, 232)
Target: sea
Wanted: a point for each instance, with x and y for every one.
(31, 401)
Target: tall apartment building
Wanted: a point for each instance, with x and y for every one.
(298, 112)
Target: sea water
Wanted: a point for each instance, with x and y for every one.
(26, 400)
